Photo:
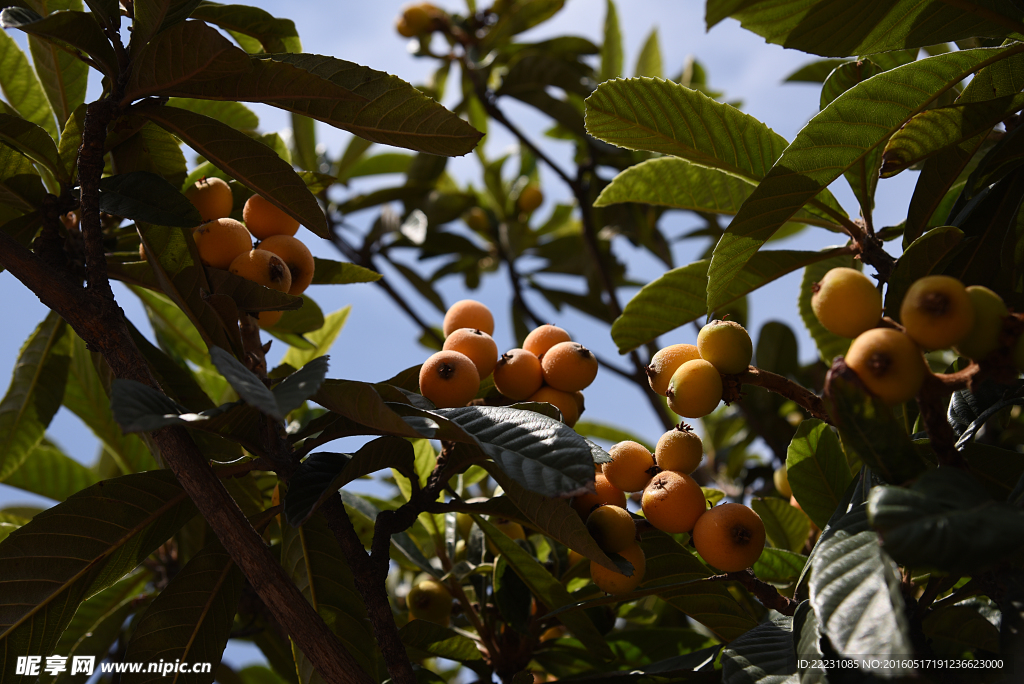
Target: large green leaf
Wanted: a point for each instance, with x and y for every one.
(765, 653)
(234, 114)
(611, 46)
(144, 196)
(35, 392)
(867, 27)
(154, 16)
(63, 75)
(945, 520)
(779, 566)
(21, 188)
(546, 588)
(786, 526)
(429, 639)
(314, 561)
(384, 109)
(191, 619)
(34, 142)
(679, 296)
(273, 34)
(852, 127)
(360, 403)
(50, 472)
(21, 87)
(51, 567)
(817, 470)
(648, 62)
(151, 149)
(252, 163)
(321, 340)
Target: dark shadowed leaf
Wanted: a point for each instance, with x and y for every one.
(248, 385)
(50, 472)
(34, 142)
(21, 87)
(275, 35)
(155, 16)
(327, 272)
(144, 196)
(79, 30)
(777, 350)
(761, 655)
(810, 664)
(817, 469)
(425, 637)
(301, 385)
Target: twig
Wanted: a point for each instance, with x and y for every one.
(767, 594)
(785, 387)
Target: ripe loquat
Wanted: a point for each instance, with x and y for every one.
(569, 366)
(415, 19)
(296, 255)
(729, 537)
(679, 449)
(264, 268)
(477, 345)
(530, 199)
(666, 361)
(221, 241)
(989, 312)
(518, 374)
(673, 502)
(563, 401)
(846, 302)
(781, 479)
(630, 465)
(211, 197)
(726, 345)
(264, 219)
(449, 379)
(888, 363)
(695, 389)
(612, 527)
(604, 493)
(937, 312)
(544, 337)
(431, 601)
(468, 313)
(512, 530)
(611, 582)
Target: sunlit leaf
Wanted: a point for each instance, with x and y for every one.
(817, 470)
(21, 87)
(50, 472)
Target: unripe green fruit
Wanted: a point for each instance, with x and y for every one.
(431, 601)
(695, 389)
(937, 312)
(726, 345)
(846, 302)
(679, 449)
(612, 528)
(888, 363)
(989, 312)
(530, 199)
(464, 524)
(781, 479)
(476, 218)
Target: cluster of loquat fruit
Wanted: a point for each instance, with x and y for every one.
(279, 261)
(937, 312)
(550, 367)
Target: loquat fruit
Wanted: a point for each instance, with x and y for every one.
(695, 389)
(518, 374)
(512, 530)
(726, 345)
(476, 218)
(563, 401)
(604, 493)
(630, 465)
(846, 302)
(264, 219)
(729, 537)
(989, 312)
(679, 449)
(296, 255)
(611, 582)
(211, 197)
(431, 601)
(221, 241)
(468, 313)
(477, 345)
(673, 502)
(464, 524)
(569, 366)
(666, 361)
(544, 337)
(937, 312)
(612, 527)
(888, 363)
(264, 268)
(415, 19)
(781, 479)
(530, 199)
(449, 379)
(581, 405)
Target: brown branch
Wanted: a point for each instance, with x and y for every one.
(767, 594)
(806, 399)
(98, 116)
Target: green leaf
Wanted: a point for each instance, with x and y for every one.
(611, 47)
(807, 637)
(304, 143)
(840, 136)
(610, 433)
(546, 588)
(155, 16)
(64, 76)
(779, 566)
(21, 87)
(817, 470)
(34, 142)
(275, 35)
(648, 62)
(191, 619)
(921, 258)
(855, 593)
(844, 77)
(932, 131)
(808, 25)
(299, 320)
(151, 149)
(35, 392)
(71, 140)
(777, 350)
(248, 385)
(49, 472)
(252, 163)
(322, 474)
(429, 639)
(382, 109)
(144, 196)
(954, 629)
(786, 526)
(314, 561)
(679, 296)
(814, 72)
(360, 403)
(127, 518)
(829, 344)
(20, 185)
(762, 654)
(293, 391)
(947, 521)
(321, 339)
(234, 114)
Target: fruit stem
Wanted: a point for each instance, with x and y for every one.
(808, 400)
(767, 594)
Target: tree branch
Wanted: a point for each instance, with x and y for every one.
(808, 400)
(767, 594)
